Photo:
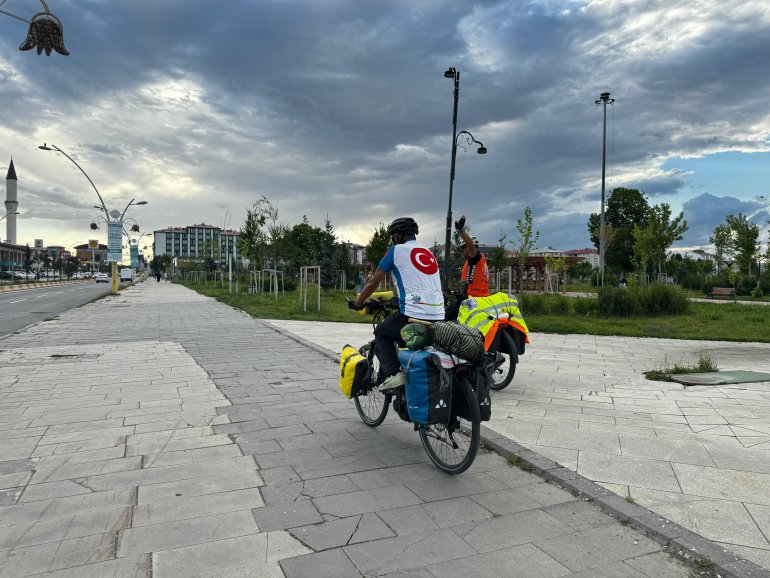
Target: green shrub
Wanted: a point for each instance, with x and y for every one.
(615, 302)
(757, 292)
(645, 301)
(532, 303)
(585, 307)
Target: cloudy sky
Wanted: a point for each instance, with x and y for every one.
(340, 107)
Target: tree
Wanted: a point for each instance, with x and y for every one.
(556, 265)
(721, 238)
(581, 270)
(745, 240)
(253, 238)
(644, 250)
(303, 244)
(663, 232)
(524, 244)
(625, 208)
(378, 245)
(71, 266)
(328, 255)
(498, 257)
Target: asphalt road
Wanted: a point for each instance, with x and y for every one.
(19, 309)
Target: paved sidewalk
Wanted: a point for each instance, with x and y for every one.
(160, 433)
(700, 456)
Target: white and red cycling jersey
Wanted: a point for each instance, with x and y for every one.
(415, 273)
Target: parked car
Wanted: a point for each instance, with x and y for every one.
(102, 278)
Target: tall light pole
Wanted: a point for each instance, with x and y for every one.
(454, 74)
(114, 218)
(604, 99)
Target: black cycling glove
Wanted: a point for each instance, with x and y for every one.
(460, 224)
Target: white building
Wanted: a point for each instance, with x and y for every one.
(197, 242)
(589, 255)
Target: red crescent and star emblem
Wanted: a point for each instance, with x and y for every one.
(424, 261)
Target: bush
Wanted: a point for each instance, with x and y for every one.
(644, 301)
(532, 303)
(585, 307)
(757, 292)
(545, 304)
(616, 302)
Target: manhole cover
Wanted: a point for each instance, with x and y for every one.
(721, 377)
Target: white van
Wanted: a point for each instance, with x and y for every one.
(127, 275)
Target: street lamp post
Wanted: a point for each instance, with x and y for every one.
(604, 99)
(454, 74)
(113, 218)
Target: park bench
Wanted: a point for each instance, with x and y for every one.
(722, 292)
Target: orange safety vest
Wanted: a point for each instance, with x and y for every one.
(477, 277)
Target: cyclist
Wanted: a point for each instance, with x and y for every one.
(415, 273)
(475, 273)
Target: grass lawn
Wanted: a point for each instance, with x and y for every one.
(710, 321)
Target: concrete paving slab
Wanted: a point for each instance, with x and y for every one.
(168, 374)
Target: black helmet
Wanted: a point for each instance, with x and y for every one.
(403, 226)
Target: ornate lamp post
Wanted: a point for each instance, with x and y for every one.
(114, 220)
(468, 139)
(46, 32)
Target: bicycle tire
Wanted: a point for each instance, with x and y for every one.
(372, 407)
(503, 375)
(377, 318)
(465, 434)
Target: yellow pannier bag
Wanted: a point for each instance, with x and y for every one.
(354, 372)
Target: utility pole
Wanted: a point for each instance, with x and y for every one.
(604, 99)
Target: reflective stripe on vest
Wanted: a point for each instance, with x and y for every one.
(487, 310)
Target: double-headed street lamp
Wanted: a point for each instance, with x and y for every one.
(46, 32)
(114, 220)
(467, 138)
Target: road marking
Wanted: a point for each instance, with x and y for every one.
(17, 301)
(43, 295)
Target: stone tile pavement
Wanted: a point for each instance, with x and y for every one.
(160, 433)
(700, 456)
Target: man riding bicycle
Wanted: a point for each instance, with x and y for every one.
(415, 272)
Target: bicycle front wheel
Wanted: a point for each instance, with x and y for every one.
(453, 447)
(372, 406)
(503, 375)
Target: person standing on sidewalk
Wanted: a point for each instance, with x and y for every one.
(415, 273)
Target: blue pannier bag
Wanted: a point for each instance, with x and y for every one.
(428, 387)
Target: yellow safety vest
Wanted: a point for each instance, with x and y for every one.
(483, 313)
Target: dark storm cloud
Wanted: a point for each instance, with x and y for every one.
(706, 211)
(340, 107)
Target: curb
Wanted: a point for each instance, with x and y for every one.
(682, 543)
(21, 286)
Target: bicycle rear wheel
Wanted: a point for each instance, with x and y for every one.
(372, 406)
(453, 447)
(503, 375)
